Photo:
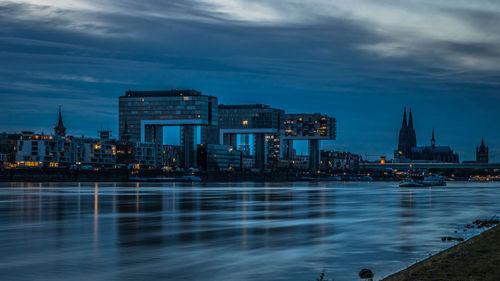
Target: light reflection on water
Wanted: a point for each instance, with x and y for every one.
(228, 231)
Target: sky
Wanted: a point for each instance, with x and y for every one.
(357, 60)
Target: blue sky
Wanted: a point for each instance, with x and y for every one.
(357, 60)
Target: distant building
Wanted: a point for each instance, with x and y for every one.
(409, 151)
(38, 150)
(218, 157)
(143, 114)
(273, 144)
(145, 155)
(8, 146)
(482, 153)
(339, 161)
(311, 127)
(172, 156)
(259, 120)
(407, 137)
(96, 152)
(59, 128)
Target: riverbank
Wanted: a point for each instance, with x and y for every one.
(475, 259)
(156, 175)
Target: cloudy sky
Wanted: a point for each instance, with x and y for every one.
(360, 61)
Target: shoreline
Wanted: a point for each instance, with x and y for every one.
(477, 258)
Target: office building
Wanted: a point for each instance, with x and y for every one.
(143, 114)
(257, 119)
(311, 127)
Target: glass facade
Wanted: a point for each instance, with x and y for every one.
(309, 126)
(256, 116)
(187, 107)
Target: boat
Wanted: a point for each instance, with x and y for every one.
(409, 182)
(429, 180)
(434, 180)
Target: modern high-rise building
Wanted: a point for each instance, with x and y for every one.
(143, 114)
(257, 119)
(311, 127)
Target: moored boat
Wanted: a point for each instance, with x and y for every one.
(434, 180)
(409, 182)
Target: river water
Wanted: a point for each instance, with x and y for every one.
(228, 231)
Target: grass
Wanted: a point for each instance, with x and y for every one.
(477, 259)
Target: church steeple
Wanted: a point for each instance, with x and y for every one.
(59, 129)
(404, 120)
(410, 121)
(411, 131)
(482, 153)
(433, 140)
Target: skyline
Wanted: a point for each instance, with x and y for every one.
(356, 61)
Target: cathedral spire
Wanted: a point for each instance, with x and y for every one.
(59, 129)
(410, 121)
(433, 140)
(404, 119)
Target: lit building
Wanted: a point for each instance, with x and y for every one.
(38, 150)
(273, 145)
(143, 114)
(171, 156)
(257, 119)
(310, 127)
(96, 152)
(147, 155)
(339, 161)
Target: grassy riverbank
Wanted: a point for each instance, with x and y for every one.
(477, 259)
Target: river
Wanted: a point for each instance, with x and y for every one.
(229, 231)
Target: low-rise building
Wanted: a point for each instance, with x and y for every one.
(217, 157)
(39, 150)
(8, 147)
(339, 161)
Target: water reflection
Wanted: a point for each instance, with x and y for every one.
(250, 231)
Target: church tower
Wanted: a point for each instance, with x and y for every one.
(482, 153)
(411, 132)
(59, 129)
(433, 140)
(407, 137)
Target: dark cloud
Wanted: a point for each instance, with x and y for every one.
(359, 66)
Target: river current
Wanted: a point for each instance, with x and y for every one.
(229, 231)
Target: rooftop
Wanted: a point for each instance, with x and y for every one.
(239, 106)
(168, 93)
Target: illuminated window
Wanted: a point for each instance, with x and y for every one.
(245, 122)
